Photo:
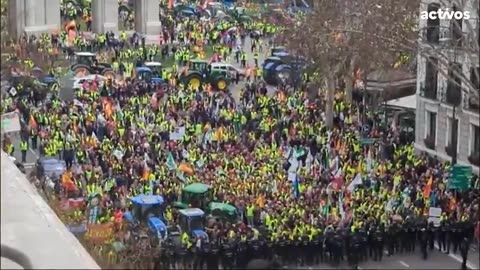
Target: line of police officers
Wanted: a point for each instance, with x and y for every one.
(332, 245)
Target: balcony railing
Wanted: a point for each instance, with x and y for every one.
(432, 34)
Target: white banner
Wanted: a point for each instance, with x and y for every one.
(10, 122)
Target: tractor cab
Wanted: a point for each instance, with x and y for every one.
(86, 63)
(147, 210)
(200, 66)
(156, 68)
(279, 51)
(195, 195)
(223, 212)
(148, 75)
(192, 221)
(85, 58)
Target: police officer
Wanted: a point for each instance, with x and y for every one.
(431, 235)
(424, 234)
(378, 239)
(337, 248)
(227, 255)
(455, 236)
(212, 256)
(355, 246)
(442, 236)
(464, 246)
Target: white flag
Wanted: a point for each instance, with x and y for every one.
(355, 182)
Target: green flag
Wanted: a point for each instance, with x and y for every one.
(172, 166)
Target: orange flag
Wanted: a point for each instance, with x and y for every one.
(145, 173)
(219, 133)
(428, 188)
(108, 109)
(32, 123)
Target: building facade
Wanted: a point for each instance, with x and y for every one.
(447, 114)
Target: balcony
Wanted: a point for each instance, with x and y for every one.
(429, 92)
(453, 96)
(430, 142)
(450, 150)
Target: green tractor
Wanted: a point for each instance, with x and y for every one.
(195, 195)
(200, 195)
(200, 72)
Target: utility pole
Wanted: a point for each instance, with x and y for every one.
(454, 137)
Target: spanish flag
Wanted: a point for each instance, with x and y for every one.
(428, 188)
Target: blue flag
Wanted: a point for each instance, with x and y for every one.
(295, 187)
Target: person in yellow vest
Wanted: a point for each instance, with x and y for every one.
(251, 215)
(24, 149)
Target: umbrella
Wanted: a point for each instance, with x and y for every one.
(233, 29)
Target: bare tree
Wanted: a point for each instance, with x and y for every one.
(341, 37)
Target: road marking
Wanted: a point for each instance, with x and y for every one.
(34, 153)
(31, 164)
(404, 264)
(459, 259)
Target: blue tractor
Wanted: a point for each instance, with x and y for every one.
(280, 66)
(149, 75)
(147, 210)
(192, 221)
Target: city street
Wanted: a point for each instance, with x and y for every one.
(435, 260)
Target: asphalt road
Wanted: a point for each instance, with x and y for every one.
(435, 260)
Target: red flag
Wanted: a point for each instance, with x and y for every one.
(170, 4)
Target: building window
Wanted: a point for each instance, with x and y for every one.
(454, 85)
(431, 130)
(474, 156)
(456, 32)
(433, 26)
(431, 78)
(473, 103)
(452, 136)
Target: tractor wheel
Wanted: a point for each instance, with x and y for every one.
(193, 80)
(108, 73)
(220, 84)
(80, 70)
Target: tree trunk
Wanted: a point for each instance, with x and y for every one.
(350, 80)
(348, 88)
(330, 99)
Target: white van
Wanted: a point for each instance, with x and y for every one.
(228, 69)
